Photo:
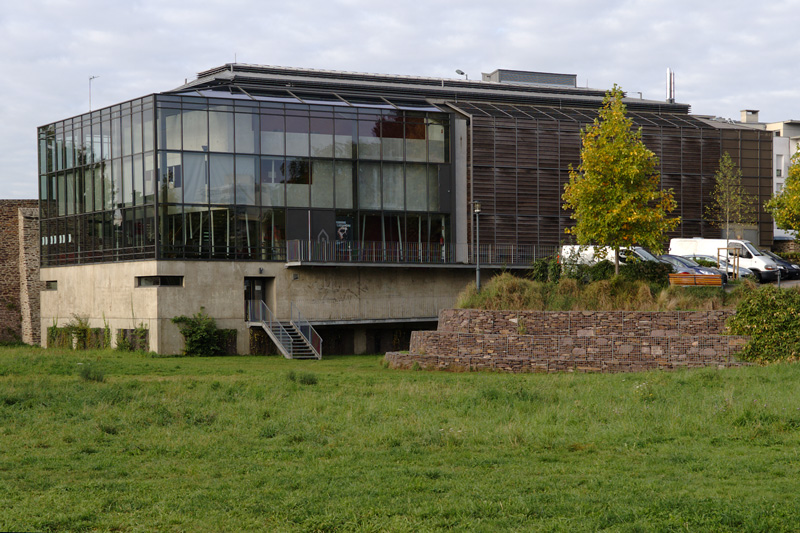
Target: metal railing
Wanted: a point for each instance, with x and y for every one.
(259, 312)
(411, 252)
(512, 254)
(307, 330)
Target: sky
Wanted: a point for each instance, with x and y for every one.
(727, 55)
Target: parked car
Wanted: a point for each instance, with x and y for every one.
(722, 265)
(687, 266)
(762, 265)
(788, 269)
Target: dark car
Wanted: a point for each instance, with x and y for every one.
(788, 270)
(683, 265)
(724, 266)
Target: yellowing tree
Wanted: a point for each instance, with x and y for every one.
(615, 192)
(785, 206)
(731, 206)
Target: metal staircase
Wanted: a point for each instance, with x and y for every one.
(295, 338)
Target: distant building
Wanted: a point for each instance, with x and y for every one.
(346, 196)
(784, 146)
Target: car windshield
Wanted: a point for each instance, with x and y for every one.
(751, 249)
(647, 256)
(683, 261)
(770, 254)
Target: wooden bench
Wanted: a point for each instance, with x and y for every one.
(695, 280)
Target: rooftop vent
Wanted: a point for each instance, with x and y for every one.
(533, 78)
(749, 116)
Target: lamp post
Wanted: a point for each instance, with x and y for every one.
(90, 90)
(476, 209)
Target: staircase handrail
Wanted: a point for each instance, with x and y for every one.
(306, 329)
(282, 336)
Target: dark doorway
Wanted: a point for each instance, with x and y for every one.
(256, 290)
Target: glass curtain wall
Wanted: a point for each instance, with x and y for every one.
(97, 185)
(215, 178)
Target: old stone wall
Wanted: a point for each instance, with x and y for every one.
(30, 282)
(595, 341)
(10, 280)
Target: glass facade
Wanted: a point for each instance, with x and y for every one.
(187, 177)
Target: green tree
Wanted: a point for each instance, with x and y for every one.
(731, 207)
(615, 192)
(785, 206)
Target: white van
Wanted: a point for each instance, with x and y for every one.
(762, 266)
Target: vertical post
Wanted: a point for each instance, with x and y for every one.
(476, 208)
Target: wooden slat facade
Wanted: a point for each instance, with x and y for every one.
(522, 156)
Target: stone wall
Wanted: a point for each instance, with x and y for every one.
(12, 226)
(595, 341)
(584, 323)
(30, 283)
(780, 247)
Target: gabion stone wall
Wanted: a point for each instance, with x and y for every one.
(596, 341)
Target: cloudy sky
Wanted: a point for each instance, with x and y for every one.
(728, 55)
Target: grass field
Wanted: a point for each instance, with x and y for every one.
(111, 441)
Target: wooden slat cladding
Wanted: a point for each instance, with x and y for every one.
(522, 156)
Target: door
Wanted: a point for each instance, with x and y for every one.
(255, 292)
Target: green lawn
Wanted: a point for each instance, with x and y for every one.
(251, 443)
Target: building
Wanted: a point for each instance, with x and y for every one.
(784, 146)
(346, 196)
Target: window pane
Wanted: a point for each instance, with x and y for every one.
(108, 186)
(344, 185)
(98, 188)
(345, 133)
(433, 188)
(147, 127)
(272, 134)
(221, 179)
(127, 135)
(149, 179)
(169, 129)
(223, 232)
(416, 149)
(127, 182)
(392, 137)
(322, 186)
(70, 193)
(171, 178)
(138, 180)
(247, 237)
(417, 187)
(220, 126)
(369, 186)
(369, 141)
(246, 180)
(137, 133)
(272, 181)
(321, 137)
(195, 130)
(195, 179)
(246, 133)
(437, 144)
(298, 178)
(297, 136)
(116, 179)
(393, 191)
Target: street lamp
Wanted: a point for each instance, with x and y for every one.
(461, 73)
(476, 209)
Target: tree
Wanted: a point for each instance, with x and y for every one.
(731, 205)
(785, 206)
(615, 192)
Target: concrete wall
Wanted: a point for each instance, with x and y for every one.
(106, 294)
(16, 235)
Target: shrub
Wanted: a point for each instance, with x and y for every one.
(201, 335)
(303, 378)
(770, 317)
(656, 273)
(539, 270)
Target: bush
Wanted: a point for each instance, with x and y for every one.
(303, 378)
(655, 273)
(201, 335)
(770, 317)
